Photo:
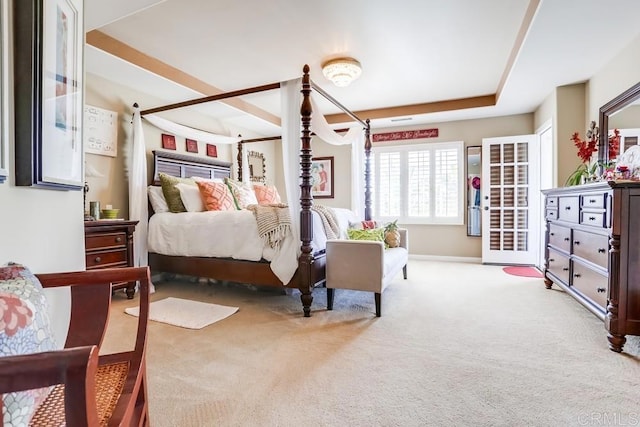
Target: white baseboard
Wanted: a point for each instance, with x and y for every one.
(471, 260)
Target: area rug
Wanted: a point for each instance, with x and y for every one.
(185, 313)
(523, 271)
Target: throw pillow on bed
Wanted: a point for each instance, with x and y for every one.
(171, 192)
(156, 198)
(266, 194)
(243, 194)
(216, 196)
(190, 196)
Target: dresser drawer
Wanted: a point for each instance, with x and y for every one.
(558, 265)
(595, 219)
(551, 214)
(102, 259)
(552, 202)
(595, 200)
(590, 283)
(569, 208)
(592, 247)
(560, 237)
(103, 241)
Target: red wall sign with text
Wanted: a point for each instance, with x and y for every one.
(405, 134)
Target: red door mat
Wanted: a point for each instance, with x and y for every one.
(523, 271)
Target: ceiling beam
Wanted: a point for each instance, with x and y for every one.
(415, 109)
(125, 52)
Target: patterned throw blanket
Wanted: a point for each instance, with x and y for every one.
(329, 221)
(274, 222)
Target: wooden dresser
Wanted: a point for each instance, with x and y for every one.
(110, 244)
(593, 251)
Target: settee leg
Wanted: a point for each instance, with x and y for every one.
(404, 271)
(330, 294)
(378, 298)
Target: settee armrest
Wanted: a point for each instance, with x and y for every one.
(355, 264)
(74, 367)
(404, 238)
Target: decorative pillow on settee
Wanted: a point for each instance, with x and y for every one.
(375, 234)
(24, 329)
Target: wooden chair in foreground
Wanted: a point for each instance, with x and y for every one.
(89, 390)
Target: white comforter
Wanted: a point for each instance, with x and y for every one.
(232, 234)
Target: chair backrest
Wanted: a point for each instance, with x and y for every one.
(78, 367)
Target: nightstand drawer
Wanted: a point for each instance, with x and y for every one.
(102, 259)
(105, 241)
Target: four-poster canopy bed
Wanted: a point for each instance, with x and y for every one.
(310, 264)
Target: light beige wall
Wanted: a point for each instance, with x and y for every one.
(614, 78)
(452, 240)
(570, 116)
(112, 187)
(42, 229)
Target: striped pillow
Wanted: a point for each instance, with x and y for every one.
(242, 193)
(216, 196)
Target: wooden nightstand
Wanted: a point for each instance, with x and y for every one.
(109, 243)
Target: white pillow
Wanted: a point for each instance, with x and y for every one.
(190, 195)
(156, 197)
(198, 178)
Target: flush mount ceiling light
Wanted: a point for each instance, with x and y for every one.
(342, 71)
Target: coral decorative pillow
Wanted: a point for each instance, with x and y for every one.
(171, 192)
(216, 196)
(266, 194)
(242, 193)
(24, 329)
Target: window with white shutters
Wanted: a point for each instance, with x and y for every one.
(418, 183)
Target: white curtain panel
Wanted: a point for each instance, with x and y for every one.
(187, 132)
(138, 208)
(290, 102)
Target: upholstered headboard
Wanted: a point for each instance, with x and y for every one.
(185, 166)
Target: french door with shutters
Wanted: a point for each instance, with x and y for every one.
(510, 223)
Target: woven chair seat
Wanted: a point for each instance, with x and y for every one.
(110, 380)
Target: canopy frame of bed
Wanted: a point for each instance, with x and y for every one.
(311, 267)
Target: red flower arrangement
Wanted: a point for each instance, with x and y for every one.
(586, 148)
(614, 145)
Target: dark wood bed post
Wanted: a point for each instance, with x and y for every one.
(306, 201)
(367, 171)
(239, 158)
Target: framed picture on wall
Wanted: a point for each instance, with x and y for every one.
(322, 177)
(192, 145)
(168, 142)
(212, 150)
(48, 81)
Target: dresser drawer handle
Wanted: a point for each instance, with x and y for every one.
(592, 218)
(601, 290)
(576, 242)
(568, 208)
(565, 268)
(552, 234)
(592, 200)
(97, 260)
(551, 260)
(576, 275)
(118, 239)
(601, 250)
(566, 239)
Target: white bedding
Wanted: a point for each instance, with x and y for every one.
(232, 234)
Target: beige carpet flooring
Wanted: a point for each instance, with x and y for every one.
(457, 345)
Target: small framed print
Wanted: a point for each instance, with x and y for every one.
(168, 142)
(212, 150)
(192, 145)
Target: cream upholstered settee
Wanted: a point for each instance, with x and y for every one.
(364, 265)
